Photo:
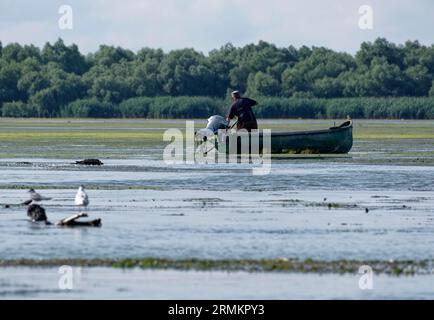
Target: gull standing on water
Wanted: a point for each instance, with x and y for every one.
(81, 198)
(36, 197)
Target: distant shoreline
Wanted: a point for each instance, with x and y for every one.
(202, 107)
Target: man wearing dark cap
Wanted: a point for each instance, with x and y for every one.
(242, 109)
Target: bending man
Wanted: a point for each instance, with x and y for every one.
(242, 109)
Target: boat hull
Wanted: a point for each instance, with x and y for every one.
(336, 140)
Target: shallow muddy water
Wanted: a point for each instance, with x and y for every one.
(106, 283)
(305, 208)
(181, 213)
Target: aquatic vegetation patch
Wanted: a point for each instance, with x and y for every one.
(67, 138)
(389, 267)
(90, 186)
(330, 205)
(79, 135)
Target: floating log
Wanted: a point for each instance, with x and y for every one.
(72, 221)
(37, 214)
(91, 223)
(90, 162)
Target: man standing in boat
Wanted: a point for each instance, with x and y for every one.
(242, 109)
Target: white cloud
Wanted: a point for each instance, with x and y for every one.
(208, 24)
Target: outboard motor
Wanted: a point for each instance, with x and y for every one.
(215, 123)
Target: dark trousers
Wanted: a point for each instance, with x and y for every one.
(249, 126)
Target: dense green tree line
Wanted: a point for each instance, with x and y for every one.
(58, 80)
(360, 107)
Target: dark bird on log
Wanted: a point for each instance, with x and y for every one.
(36, 213)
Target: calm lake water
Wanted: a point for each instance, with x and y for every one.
(105, 283)
(305, 208)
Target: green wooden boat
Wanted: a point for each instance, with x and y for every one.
(334, 140)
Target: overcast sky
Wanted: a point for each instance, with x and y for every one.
(208, 24)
